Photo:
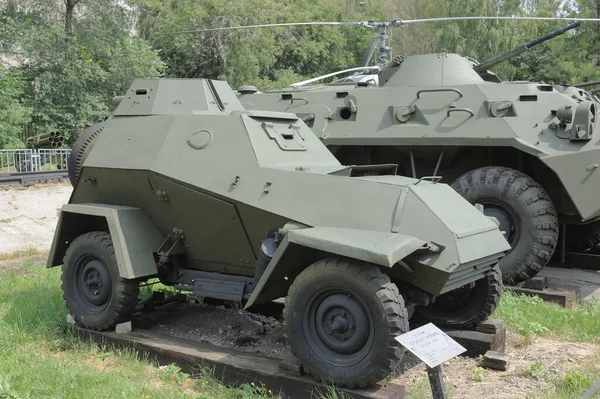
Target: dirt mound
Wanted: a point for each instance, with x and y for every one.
(221, 326)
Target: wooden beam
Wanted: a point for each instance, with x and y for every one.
(232, 367)
(565, 299)
(487, 336)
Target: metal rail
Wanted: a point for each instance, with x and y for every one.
(30, 178)
(33, 160)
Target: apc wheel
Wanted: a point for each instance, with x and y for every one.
(341, 317)
(525, 212)
(80, 150)
(466, 306)
(96, 296)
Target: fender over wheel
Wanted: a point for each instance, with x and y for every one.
(525, 212)
(96, 296)
(341, 318)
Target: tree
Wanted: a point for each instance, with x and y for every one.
(265, 57)
(72, 69)
(69, 11)
(13, 114)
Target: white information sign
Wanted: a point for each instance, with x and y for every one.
(431, 345)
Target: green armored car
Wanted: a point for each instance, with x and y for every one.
(183, 184)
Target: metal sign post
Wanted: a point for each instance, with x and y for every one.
(434, 347)
(436, 381)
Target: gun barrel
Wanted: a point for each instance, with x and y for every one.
(594, 91)
(587, 84)
(522, 48)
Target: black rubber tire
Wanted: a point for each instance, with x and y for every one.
(533, 212)
(477, 302)
(81, 149)
(376, 298)
(121, 295)
(583, 237)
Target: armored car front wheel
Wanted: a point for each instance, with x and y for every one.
(96, 296)
(526, 214)
(466, 306)
(341, 318)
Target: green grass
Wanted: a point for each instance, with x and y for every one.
(22, 254)
(571, 383)
(40, 360)
(531, 317)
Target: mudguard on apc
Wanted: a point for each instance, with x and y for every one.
(134, 235)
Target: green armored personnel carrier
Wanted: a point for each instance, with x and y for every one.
(182, 183)
(526, 151)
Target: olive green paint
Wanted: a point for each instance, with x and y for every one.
(431, 103)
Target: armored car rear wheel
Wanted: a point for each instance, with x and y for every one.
(466, 306)
(96, 296)
(525, 212)
(341, 317)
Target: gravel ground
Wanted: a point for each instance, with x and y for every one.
(261, 334)
(28, 216)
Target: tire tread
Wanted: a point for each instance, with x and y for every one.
(539, 205)
(387, 293)
(127, 291)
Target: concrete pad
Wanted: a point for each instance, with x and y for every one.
(28, 216)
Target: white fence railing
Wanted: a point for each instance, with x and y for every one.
(27, 160)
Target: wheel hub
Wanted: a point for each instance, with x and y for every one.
(342, 324)
(506, 217)
(94, 282)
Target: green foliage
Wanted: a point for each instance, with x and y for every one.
(66, 82)
(536, 371)
(13, 114)
(172, 371)
(267, 57)
(531, 317)
(478, 373)
(5, 391)
(574, 382)
(567, 59)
